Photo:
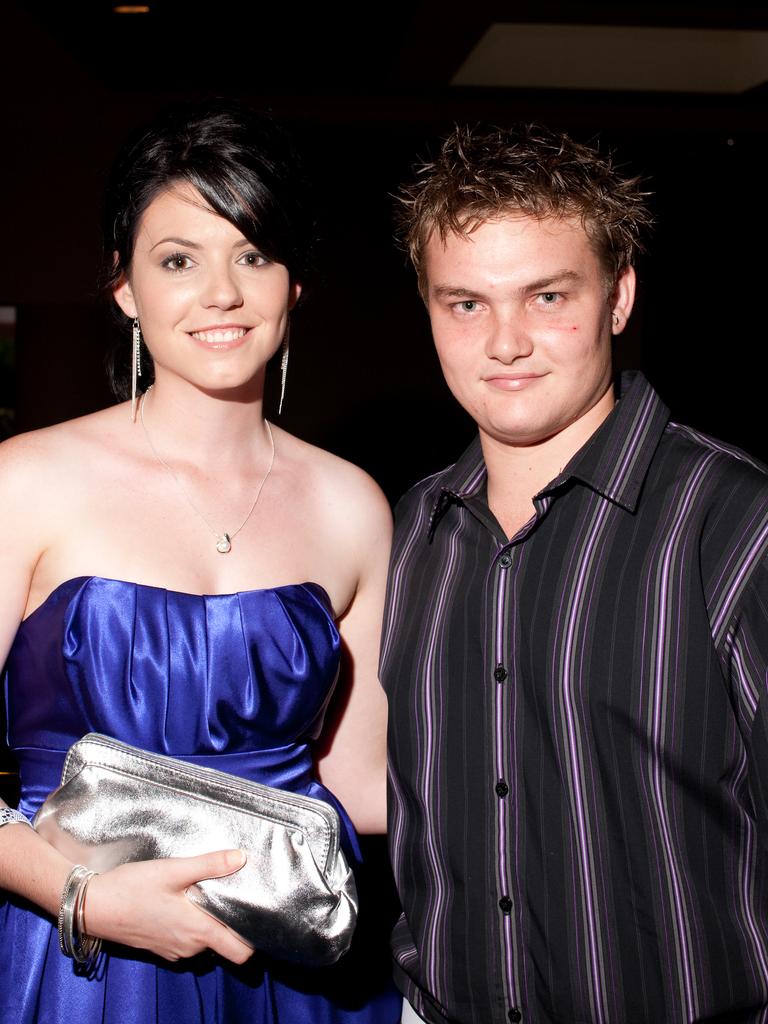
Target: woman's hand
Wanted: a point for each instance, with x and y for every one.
(145, 905)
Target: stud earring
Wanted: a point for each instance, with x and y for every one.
(135, 364)
(283, 369)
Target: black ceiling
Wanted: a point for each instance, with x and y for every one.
(315, 49)
(365, 90)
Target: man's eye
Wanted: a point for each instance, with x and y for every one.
(468, 306)
(549, 298)
(177, 261)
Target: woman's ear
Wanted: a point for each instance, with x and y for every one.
(123, 296)
(294, 291)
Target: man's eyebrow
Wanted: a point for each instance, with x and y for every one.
(453, 291)
(561, 277)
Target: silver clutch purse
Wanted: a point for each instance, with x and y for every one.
(295, 898)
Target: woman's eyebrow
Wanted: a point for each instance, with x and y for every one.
(177, 241)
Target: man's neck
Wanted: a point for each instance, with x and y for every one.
(516, 473)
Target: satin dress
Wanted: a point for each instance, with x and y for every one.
(237, 682)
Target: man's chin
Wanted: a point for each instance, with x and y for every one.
(515, 436)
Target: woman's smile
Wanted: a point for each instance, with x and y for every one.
(193, 272)
(221, 337)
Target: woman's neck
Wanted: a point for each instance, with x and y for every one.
(185, 424)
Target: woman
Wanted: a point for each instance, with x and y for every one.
(117, 525)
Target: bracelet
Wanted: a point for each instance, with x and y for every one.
(8, 816)
(73, 941)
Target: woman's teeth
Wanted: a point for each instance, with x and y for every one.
(217, 337)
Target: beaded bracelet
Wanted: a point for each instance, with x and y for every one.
(8, 816)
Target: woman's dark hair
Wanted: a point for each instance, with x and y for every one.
(244, 167)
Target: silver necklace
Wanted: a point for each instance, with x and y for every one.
(223, 540)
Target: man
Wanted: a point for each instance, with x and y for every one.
(575, 639)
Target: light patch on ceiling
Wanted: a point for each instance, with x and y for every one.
(617, 58)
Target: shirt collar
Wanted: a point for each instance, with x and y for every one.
(462, 480)
(614, 461)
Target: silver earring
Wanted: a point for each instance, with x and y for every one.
(135, 364)
(283, 369)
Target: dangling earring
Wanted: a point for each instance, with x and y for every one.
(283, 368)
(135, 364)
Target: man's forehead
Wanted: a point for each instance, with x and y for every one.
(470, 224)
(516, 246)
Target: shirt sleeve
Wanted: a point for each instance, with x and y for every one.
(745, 657)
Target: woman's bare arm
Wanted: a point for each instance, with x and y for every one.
(141, 905)
(353, 758)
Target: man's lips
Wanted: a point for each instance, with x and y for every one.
(512, 381)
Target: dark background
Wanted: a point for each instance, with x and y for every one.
(365, 90)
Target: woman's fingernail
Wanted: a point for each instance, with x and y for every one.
(236, 858)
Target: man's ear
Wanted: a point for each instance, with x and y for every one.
(622, 299)
(123, 296)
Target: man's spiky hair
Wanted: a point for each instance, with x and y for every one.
(481, 174)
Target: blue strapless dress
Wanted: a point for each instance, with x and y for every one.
(238, 682)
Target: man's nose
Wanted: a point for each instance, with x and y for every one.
(509, 339)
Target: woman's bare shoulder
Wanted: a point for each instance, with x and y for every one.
(337, 485)
(39, 460)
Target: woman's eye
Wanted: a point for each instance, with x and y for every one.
(177, 261)
(253, 259)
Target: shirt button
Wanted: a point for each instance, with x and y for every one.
(499, 673)
(506, 560)
(501, 788)
(506, 904)
(514, 1014)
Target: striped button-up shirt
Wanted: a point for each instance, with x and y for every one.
(579, 736)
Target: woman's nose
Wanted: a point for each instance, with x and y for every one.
(222, 289)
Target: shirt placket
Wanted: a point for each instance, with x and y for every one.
(505, 592)
(507, 568)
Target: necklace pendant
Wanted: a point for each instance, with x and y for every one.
(224, 544)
